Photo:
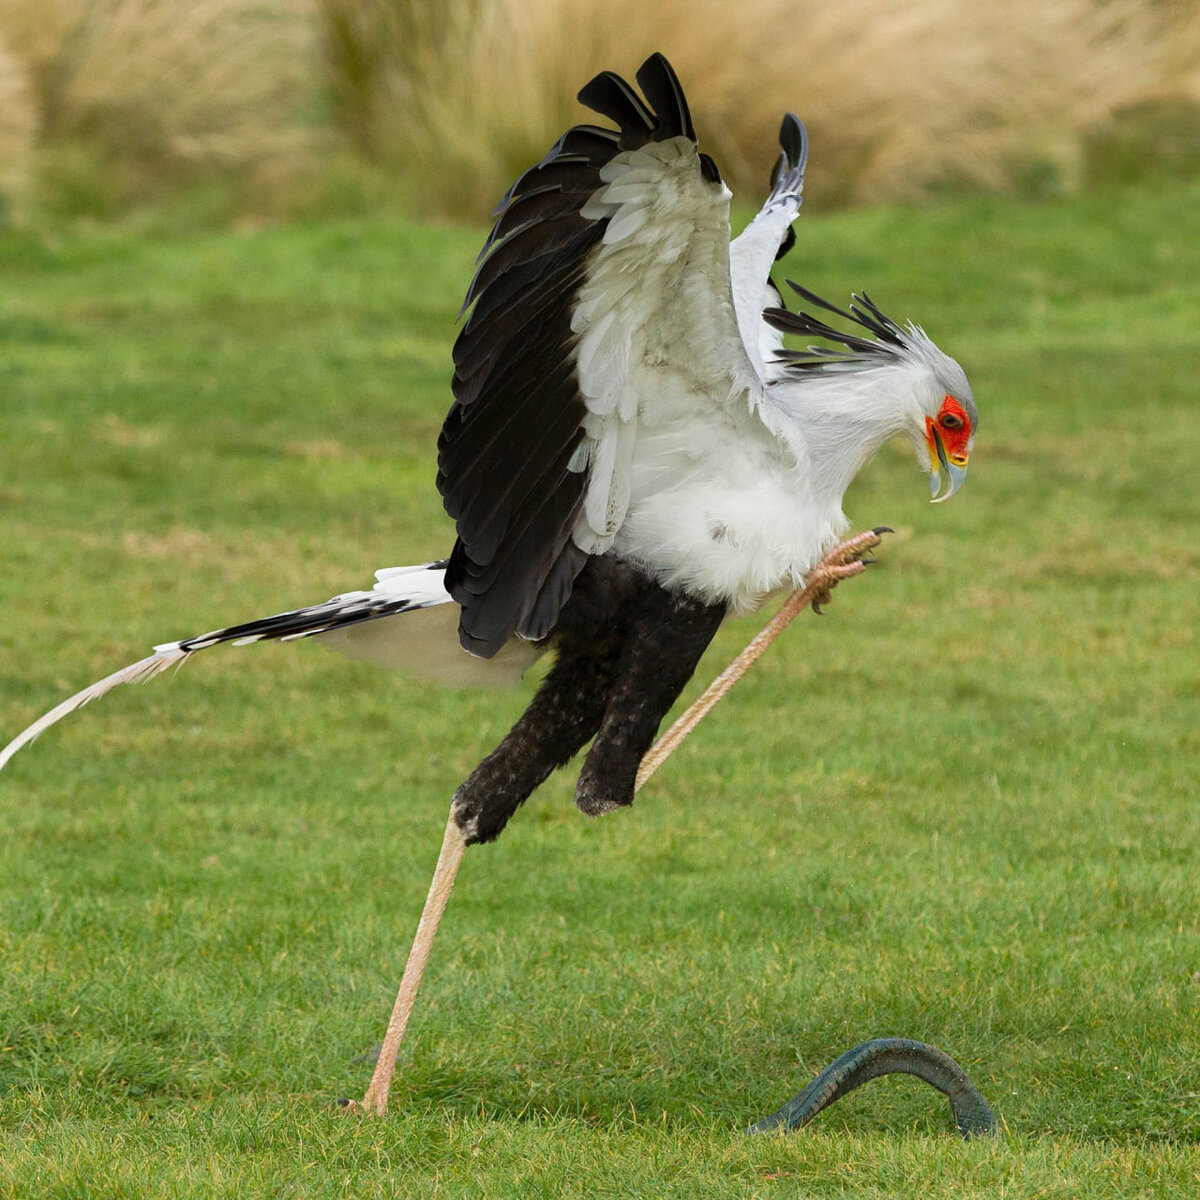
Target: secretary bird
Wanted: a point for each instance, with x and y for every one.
(631, 455)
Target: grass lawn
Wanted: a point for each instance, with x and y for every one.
(963, 807)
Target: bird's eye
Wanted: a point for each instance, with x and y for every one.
(950, 421)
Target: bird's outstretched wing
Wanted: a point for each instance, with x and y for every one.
(603, 300)
(767, 238)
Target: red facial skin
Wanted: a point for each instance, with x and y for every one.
(953, 427)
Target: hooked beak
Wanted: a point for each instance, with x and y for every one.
(955, 466)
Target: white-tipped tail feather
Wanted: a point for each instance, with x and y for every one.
(361, 625)
(138, 672)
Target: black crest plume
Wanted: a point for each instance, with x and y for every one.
(887, 338)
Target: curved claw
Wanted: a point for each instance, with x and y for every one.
(887, 1056)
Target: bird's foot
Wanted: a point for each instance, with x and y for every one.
(370, 1105)
(843, 562)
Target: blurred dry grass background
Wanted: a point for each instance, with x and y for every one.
(282, 107)
(121, 100)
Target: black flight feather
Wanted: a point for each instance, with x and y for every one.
(657, 79)
(478, 440)
(502, 495)
(475, 366)
(527, 209)
(484, 571)
(609, 95)
(555, 592)
(535, 545)
(544, 237)
(793, 140)
(535, 282)
(593, 142)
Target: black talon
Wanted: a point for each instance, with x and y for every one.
(882, 529)
(868, 561)
(816, 607)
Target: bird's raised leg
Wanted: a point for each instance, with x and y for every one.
(844, 561)
(665, 643)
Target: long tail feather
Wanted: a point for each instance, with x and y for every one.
(137, 672)
(357, 624)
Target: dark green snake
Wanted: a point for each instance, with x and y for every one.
(888, 1056)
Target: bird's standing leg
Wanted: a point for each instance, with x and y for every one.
(453, 845)
(589, 641)
(665, 641)
(571, 704)
(565, 712)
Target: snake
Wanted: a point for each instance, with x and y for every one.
(888, 1056)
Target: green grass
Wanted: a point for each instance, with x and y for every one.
(962, 807)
